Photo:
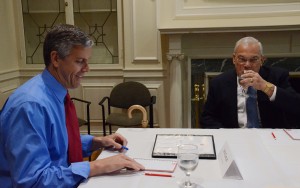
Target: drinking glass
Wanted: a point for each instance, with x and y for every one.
(244, 90)
(188, 157)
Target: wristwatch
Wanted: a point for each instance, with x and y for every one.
(268, 87)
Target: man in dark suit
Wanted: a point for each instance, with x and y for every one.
(278, 105)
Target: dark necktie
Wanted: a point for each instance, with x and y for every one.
(251, 108)
(74, 146)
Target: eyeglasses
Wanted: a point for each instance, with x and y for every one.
(244, 60)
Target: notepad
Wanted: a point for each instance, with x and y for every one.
(157, 164)
(293, 133)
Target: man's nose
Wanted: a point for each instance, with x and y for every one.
(247, 63)
(86, 68)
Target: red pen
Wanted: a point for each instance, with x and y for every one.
(273, 135)
(162, 175)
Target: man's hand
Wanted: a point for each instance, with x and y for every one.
(112, 164)
(114, 141)
(251, 78)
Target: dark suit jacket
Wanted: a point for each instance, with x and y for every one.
(220, 109)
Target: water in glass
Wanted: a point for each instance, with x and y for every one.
(244, 90)
(188, 157)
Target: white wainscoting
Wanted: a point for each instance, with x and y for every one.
(9, 81)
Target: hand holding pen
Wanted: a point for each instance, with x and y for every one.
(114, 163)
(112, 142)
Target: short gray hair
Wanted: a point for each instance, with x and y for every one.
(248, 40)
(62, 38)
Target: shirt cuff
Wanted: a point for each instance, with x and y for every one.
(81, 168)
(86, 141)
(272, 98)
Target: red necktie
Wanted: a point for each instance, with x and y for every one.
(74, 147)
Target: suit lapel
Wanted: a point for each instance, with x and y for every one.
(231, 88)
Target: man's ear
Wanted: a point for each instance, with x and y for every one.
(263, 58)
(54, 58)
(233, 58)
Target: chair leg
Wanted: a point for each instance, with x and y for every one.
(104, 128)
(88, 118)
(89, 128)
(110, 132)
(89, 132)
(151, 116)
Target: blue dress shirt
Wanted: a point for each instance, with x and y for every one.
(34, 140)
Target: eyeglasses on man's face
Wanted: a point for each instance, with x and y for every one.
(243, 60)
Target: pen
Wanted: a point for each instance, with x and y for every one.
(273, 135)
(162, 175)
(124, 147)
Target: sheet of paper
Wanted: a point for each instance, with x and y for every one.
(158, 165)
(293, 133)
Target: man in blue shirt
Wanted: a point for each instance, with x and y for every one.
(33, 133)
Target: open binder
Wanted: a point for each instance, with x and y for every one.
(166, 145)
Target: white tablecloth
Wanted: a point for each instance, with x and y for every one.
(263, 161)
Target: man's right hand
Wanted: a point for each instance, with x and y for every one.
(112, 164)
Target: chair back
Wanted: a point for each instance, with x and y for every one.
(130, 93)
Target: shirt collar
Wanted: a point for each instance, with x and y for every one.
(237, 81)
(57, 88)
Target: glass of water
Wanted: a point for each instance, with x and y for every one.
(188, 157)
(244, 90)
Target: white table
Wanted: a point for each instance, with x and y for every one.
(263, 161)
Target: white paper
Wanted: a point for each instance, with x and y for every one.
(158, 165)
(293, 133)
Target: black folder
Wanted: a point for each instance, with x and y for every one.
(166, 145)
